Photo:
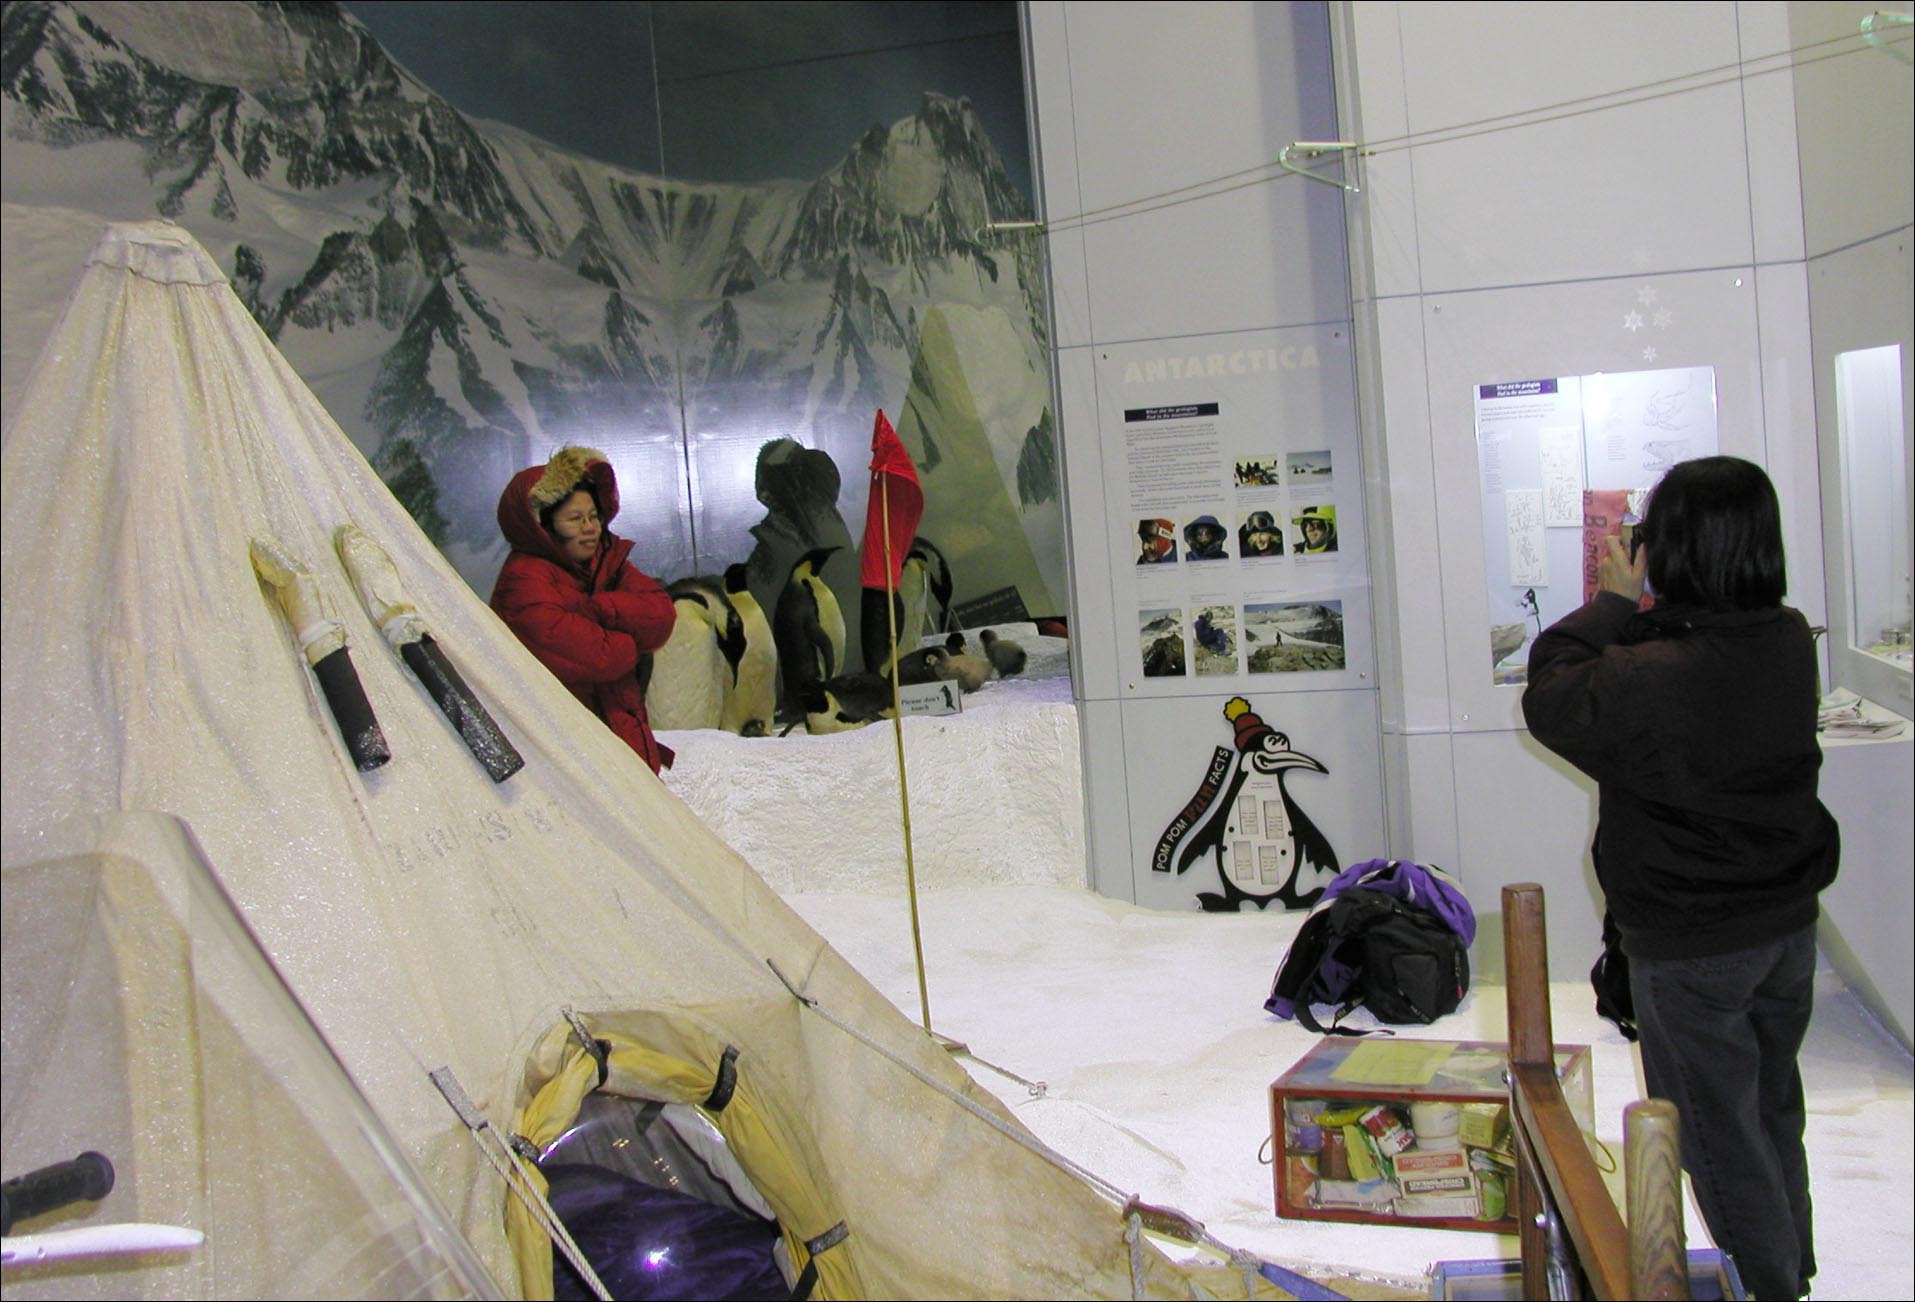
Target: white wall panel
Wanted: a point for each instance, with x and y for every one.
(1096, 656)
(1370, 73)
(1268, 255)
(1788, 410)
(1055, 170)
(1465, 63)
(1429, 767)
(1421, 571)
(1855, 114)
(1180, 111)
(1651, 185)
(1173, 95)
(1107, 837)
(1768, 105)
(1570, 329)
(1865, 914)
(1525, 816)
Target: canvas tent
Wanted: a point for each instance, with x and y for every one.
(425, 916)
(142, 1021)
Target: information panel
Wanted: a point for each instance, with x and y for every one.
(1564, 463)
(1237, 533)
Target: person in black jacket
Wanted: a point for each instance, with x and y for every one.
(1696, 717)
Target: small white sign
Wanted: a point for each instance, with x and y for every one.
(942, 697)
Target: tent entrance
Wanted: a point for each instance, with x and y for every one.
(660, 1206)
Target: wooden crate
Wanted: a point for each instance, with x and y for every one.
(1388, 1083)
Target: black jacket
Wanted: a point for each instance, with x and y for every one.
(1699, 727)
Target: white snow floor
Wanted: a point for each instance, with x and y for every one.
(1147, 1027)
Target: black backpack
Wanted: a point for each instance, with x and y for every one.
(1401, 962)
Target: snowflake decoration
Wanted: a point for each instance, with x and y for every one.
(1649, 353)
(1646, 295)
(1632, 322)
(1663, 318)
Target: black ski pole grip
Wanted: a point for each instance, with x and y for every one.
(352, 711)
(467, 714)
(87, 1177)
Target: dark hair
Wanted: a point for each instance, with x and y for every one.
(547, 512)
(1714, 534)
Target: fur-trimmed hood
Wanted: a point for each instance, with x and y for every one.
(537, 487)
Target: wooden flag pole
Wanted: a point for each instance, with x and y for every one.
(897, 734)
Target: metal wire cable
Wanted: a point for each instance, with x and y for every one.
(1562, 110)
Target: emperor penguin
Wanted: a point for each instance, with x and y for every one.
(1267, 848)
(698, 661)
(807, 627)
(685, 689)
(924, 586)
(845, 702)
(751, 702)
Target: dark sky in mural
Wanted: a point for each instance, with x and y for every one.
(714, 90)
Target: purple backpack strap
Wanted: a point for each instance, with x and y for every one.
(1426, 886)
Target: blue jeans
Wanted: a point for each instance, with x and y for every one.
(1719, 1040)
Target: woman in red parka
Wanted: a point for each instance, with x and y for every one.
(570, 594)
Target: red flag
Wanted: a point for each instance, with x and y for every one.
(895, 495)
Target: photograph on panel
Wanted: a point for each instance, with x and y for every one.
(1261, 471)
(1306, 468)
(1160, 635)
(1205, 539)
(1287, 637)
(1259, 536)
(1316, 529)
(1157, 541)
(1214, 635)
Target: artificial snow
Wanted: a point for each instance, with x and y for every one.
(1133, 1041)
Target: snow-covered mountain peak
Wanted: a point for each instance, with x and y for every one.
(263, 50)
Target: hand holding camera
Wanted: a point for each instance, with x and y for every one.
(1622, 571)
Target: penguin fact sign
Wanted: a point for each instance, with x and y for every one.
(1265, 848)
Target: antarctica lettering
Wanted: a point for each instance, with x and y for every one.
(1243, 361)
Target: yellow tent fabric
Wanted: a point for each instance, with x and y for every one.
(426, 917)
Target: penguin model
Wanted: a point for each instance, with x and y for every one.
(1267, 849)
(970, 672)
(845, 702)
(686, 688)
(925, 665)
(751, 702)
(924, 588)
(1006, 656)
(808, 627)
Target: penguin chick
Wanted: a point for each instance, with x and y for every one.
(752, 700)
(969, 671)
(1006, 656)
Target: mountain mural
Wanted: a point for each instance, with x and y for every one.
(464, 297)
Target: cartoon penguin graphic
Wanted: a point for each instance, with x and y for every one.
(752, 700)
(808, 627)
(1267, 848)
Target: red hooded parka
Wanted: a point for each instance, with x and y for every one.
(589, 628)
